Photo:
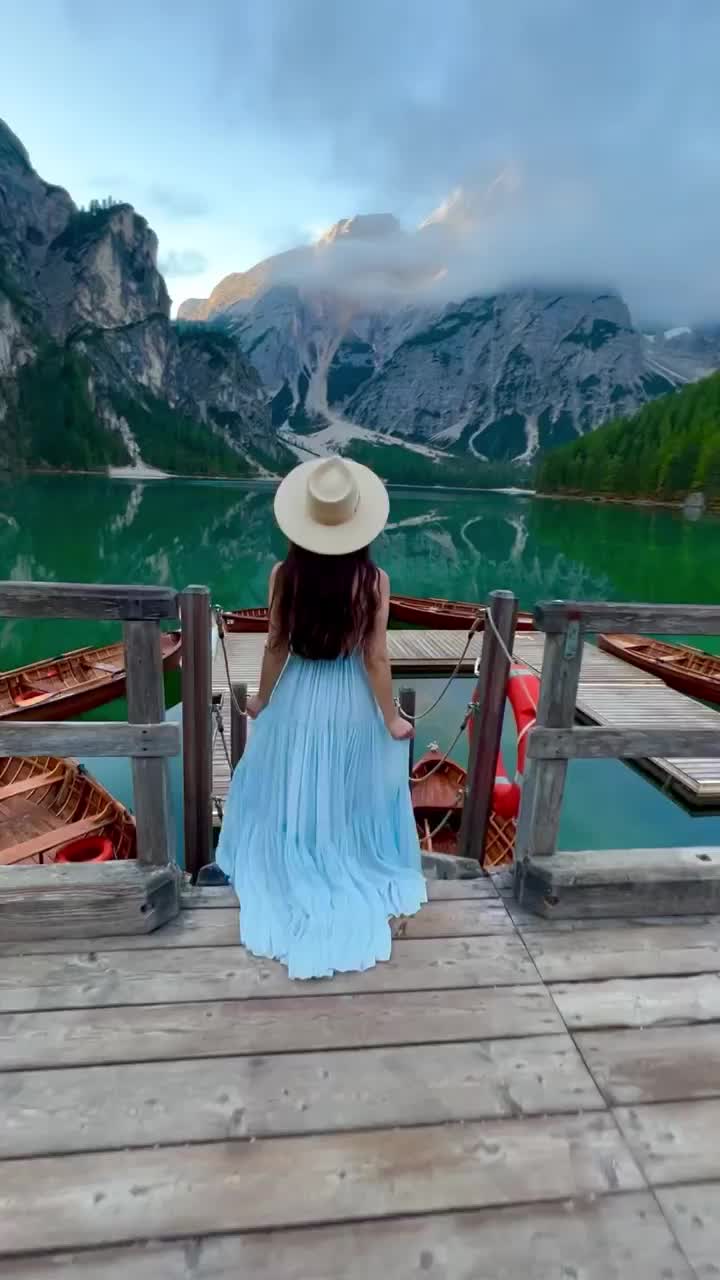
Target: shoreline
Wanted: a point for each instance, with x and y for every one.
(141, 475)
(604, 499)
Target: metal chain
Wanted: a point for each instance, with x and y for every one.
(456, 739)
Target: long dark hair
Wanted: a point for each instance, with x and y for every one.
(325, 606)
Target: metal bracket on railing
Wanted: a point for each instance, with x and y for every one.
(572, 639)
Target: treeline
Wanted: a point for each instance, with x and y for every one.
(398, 465)
(666, 450)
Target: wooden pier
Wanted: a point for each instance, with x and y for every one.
(506, 1097)
(610, 692)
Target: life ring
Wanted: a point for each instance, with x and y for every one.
(86, 849)
(522, 691)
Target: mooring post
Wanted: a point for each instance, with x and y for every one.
(407, 706)
(488, 721)
(196, 722)
(238, 722)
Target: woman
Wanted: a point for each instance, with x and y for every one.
(318, 835)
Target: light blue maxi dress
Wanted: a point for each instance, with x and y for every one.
(318, 835)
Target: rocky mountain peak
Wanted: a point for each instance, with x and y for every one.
(363, 226)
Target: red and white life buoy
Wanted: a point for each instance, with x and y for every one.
(522, 692)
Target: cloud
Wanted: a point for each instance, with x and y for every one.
(183, 262)
(178, 204)
(609, 113)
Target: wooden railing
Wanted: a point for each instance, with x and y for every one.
(120, 897)
(629, 881)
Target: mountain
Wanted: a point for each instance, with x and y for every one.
(664, 451)
(358, 327)
(92, 370)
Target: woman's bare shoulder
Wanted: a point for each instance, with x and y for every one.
(384, 581)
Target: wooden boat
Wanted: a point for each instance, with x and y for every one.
(447, 615)
(433, 613)
(60, 688)
(46, 803)
(245, 619)
(437, 794)
(682, 667)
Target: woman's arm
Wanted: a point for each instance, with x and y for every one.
(377, 664)
(274, 655)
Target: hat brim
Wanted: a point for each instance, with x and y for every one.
(368, 520)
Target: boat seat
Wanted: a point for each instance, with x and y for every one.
(108, 668)
(49, 840)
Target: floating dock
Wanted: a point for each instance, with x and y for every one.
(611, 692)
(524, 1097)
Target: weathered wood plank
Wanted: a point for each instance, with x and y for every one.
(646, 619)
(596, 742)
(151, 778)
(610, 1238)
(656, 1064)
(72, 1037)
(86, 600)
(642, 951)
(544, 785)
(160, 976)
(57, 904)
(630, 882)
(120, 1196)
(674, 1141)
(639, 1002)
(211, 1099)
(37, 738)
(693, 1213)
(196, 726)
(208, 927)
(194, 896)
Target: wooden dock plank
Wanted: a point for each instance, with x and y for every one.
(208, 927)
(610, 1238)
(693, 1213)
(655, 1064)
(611, 692)
(57, 1111)
(639, 1002)
(121, 1196)
(674, 1141)
(73, 1037)
(231, 973)
(194, 896)
(649, 950)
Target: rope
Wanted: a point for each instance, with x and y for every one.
(430, 835)
(220, 730)
(512, 658)
(421, 714)
(456, 739)
(221, 636)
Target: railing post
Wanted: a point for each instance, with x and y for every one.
(544, 784)
(407, 705)
(151, 778)
(197, 736)
(238, 722)
(488, 722)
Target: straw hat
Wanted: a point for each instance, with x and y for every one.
(332, 507)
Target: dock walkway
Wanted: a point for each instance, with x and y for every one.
(503, 1098)
(611, 692)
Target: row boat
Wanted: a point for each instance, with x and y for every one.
(437, 794)
(47, 803)
(433, 613)
(63, 687)
(681, 666)
(445, 615)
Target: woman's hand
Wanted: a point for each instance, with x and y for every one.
(400, 729)
(255, 705)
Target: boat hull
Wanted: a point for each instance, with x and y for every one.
(435, 614)
(82, 695)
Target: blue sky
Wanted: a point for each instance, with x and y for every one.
(242, 127)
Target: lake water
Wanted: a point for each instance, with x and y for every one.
(460, 546)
